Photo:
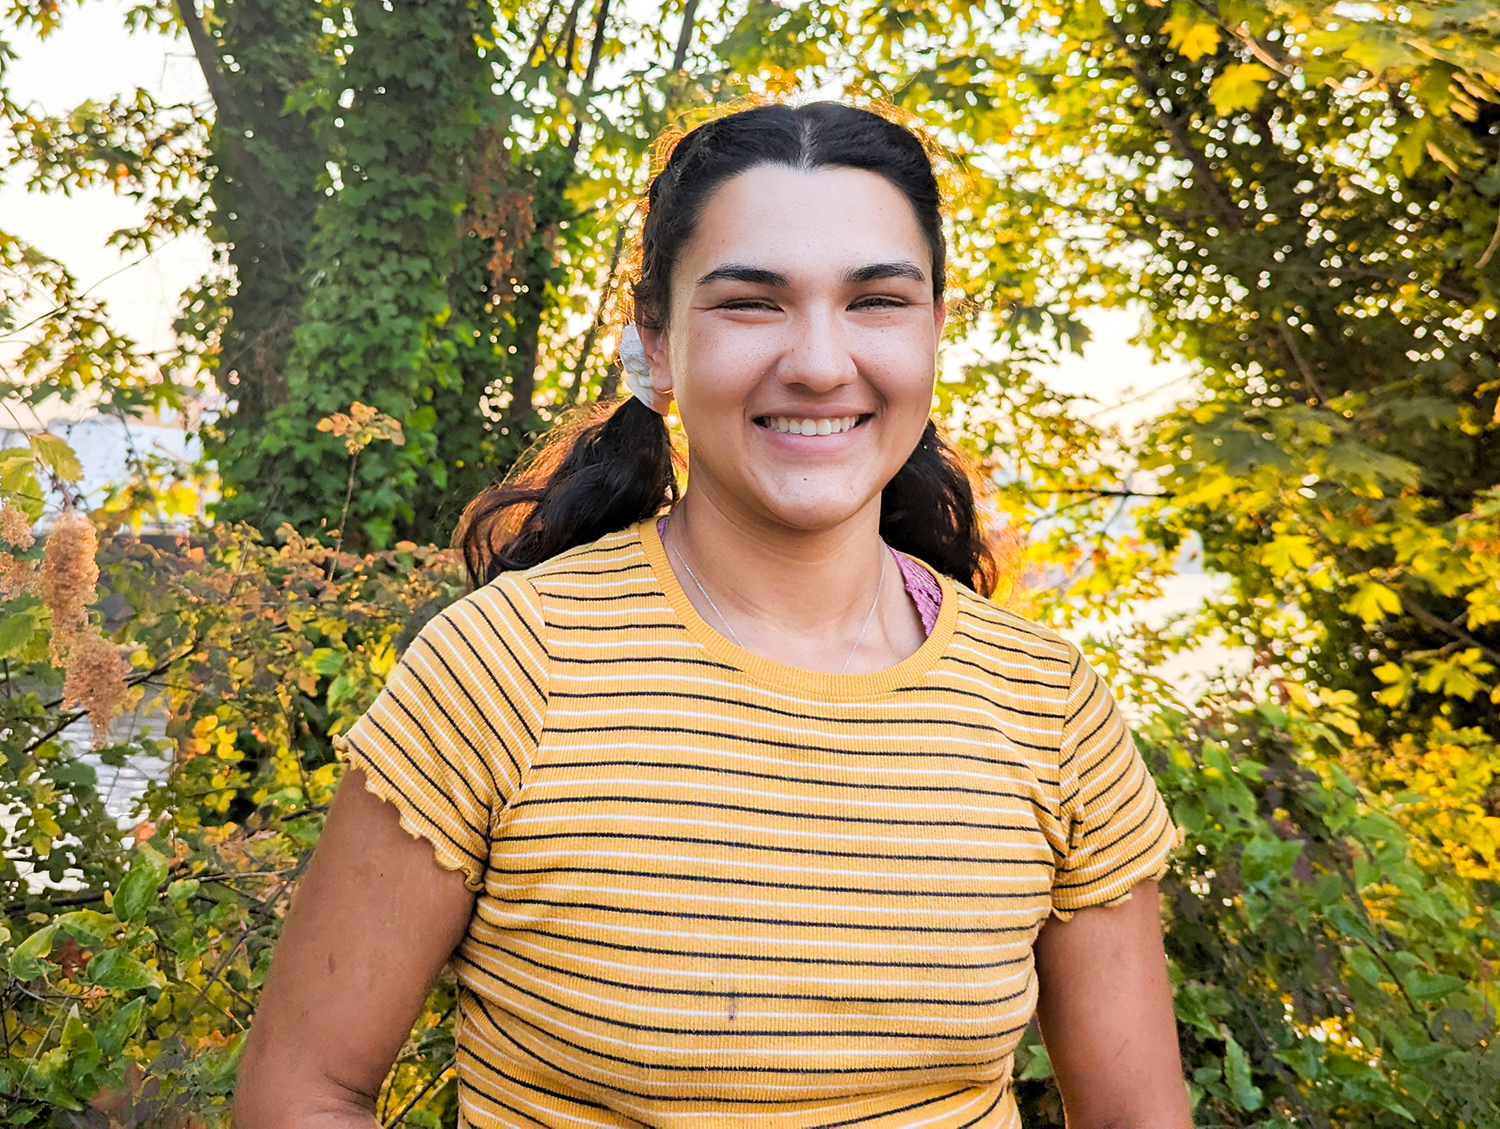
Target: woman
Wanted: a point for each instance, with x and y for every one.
(741, 815)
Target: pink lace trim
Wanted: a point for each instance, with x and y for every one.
(921, 585)
(923, 589)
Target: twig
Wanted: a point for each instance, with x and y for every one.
(420, 1094)
(593, 331)
(261, 909)
(1313, 386)
(344, 514)
(1484, 259)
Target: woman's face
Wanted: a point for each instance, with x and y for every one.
(800, 344)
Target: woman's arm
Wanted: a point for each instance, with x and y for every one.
(372, 923)
(1105, 1009)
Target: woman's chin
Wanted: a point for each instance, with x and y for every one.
(817, 511)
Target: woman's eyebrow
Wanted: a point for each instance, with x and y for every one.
(760, 276)
(736, 272)
(876, 271)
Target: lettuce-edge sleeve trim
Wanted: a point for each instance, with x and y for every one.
(1119, 832)
(410, 817)
(1113, 894)
(450, 738)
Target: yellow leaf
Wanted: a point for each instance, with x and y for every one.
(1373, 602)
(1239, 87)
(55, 454)
(1190, 38)
(1287, 553)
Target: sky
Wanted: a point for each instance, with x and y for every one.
(93, 57)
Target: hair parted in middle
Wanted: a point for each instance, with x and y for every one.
(616, 465)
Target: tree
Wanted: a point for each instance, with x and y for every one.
(1309, 205)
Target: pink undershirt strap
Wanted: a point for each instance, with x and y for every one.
(921, 585)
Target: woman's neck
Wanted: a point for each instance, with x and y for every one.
(796, 597)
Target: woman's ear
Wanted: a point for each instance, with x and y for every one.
(654, 344)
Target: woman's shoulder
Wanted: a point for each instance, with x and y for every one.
(1008, 639)
(613, 567)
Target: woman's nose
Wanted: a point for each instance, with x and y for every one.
(819, 358)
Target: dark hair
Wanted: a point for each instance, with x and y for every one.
(615, 464)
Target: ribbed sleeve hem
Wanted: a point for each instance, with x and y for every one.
(1115, 890)
(412, 820)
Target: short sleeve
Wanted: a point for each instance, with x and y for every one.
(450, 738)
(1119, 832)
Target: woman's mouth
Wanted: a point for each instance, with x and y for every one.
(811, 425)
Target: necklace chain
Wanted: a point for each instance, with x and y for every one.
(698, 584)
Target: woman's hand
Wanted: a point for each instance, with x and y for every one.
(373, 922)
(1105, 1008)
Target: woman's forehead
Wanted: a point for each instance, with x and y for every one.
(831, 219)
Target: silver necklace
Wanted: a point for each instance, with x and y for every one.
(698, 584)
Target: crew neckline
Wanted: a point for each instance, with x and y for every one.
(782, 676)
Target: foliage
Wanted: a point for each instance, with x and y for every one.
(1309, 199)
(1327, 972)
(133, 959)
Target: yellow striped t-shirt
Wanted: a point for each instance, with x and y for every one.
(716, 891)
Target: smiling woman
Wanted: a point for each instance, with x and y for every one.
(744, 805)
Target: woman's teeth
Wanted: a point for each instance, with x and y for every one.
(789, 426)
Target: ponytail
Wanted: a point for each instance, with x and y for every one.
(612, 464)
(927, 511)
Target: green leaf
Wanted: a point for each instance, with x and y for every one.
(1269, 861)
(1373, 602)
(55, 454)
(87, 927)
(18, 631)
(117, 971)
(30, 958)
(1190, 35)
(1038, 1065)
(137, 890)
(327, 661)
(1247, 1096)
(1423, 985)
(80, 1046)
(121, 1027)
(1288, 553)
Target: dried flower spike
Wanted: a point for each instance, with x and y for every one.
(15, 527)
(96, 681)
(68, 578)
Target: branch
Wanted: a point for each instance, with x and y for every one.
(1484, 259)
(1177, 131)
(261, 910)
(596, 49)
(415, 1098)
(541, 33)
(685, 36)
(593, 332)
(1289, 349)
(208, 61)
(1426, 618)
(1437, 623)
